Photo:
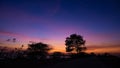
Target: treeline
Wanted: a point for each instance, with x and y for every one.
(38, 54)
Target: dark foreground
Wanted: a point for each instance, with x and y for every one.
(82, 62)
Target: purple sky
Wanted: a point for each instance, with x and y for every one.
(51, 21)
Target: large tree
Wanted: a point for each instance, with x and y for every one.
(75, 42)
(38, 49)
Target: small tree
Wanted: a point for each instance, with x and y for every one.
(38, 49)
(57, 55)
(75, 42)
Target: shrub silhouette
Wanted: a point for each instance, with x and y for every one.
(38, 50)
(57, 55)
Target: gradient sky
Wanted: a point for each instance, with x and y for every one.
(51, 21)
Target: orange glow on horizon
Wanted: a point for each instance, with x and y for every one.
(60, 46)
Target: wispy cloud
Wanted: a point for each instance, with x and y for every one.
(104, 48)
(21, 36)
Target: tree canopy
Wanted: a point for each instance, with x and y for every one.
(38, 49)
(75, 42)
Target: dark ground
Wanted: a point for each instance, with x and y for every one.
(84, 62)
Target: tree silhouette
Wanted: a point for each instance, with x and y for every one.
(8, 40)
(14, 39)
(38, 49)
(57, 55)
(75, 42)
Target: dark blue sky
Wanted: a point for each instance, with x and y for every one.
(51, 21)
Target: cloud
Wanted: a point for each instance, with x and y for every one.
(21, 36)
(12, 34)
(103, 48)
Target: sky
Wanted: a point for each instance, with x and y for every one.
(51, 21)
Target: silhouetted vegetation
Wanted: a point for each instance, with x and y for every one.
(57, 55)
(75, 42)
(38, 55)
(38, 50)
